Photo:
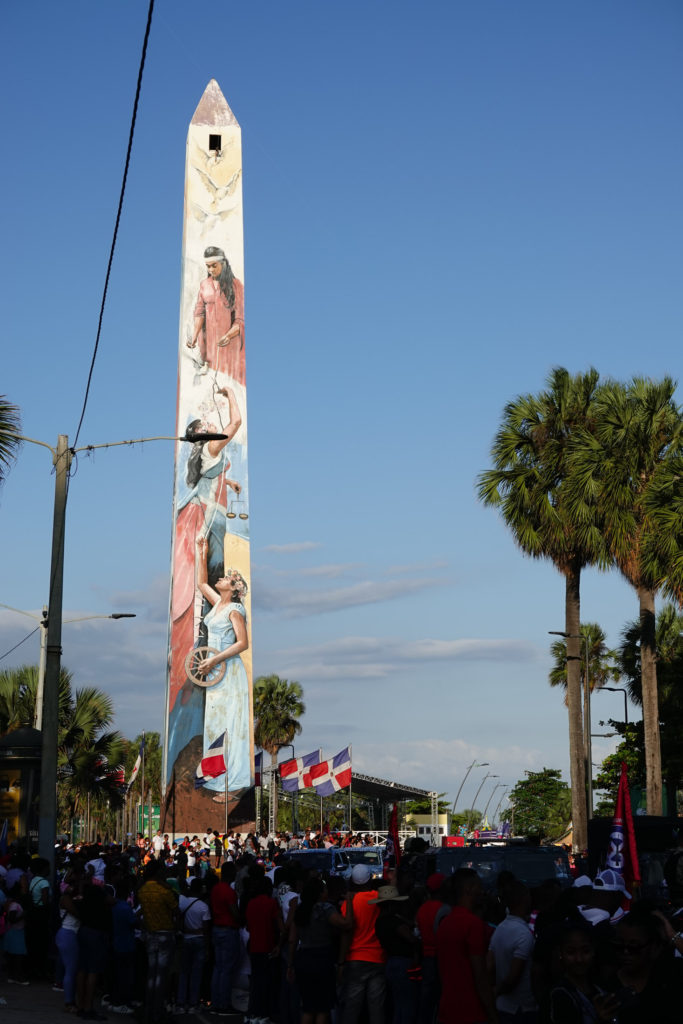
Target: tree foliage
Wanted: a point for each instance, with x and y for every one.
(90, 753)
(528, 485)
(542, 805)
(424, 806)
(278, 706)
(631, 466)
(10, 428)
(631, 750)
(669, 657)
(603, 666)
(152, 777)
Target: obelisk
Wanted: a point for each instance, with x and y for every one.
(209, 678)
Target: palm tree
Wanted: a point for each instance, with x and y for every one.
(528, 487)
(10, 427)
(602, 669)
(669, 659)
(632, 465)
(89, 753)
(278, 705)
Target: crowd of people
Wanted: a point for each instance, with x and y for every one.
(225, 924)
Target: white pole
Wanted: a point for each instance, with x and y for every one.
(227, 787)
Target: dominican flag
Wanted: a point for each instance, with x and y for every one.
(622, 853)
(138, 762)
(329, 777)
(258, 769)
(296, 774)
(213, 763)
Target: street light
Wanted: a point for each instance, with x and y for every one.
(62, 456)
(619, 689)
(498, 805)
(498, 785)
(489, 775)
(587, 745)
(475, 764)
(43, 622)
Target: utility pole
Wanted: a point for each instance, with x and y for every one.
(47, 819)
(62, 457)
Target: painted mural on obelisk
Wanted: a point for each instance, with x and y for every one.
(209, 659)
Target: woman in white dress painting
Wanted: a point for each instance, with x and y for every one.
(227, 701)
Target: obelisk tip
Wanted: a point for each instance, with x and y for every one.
(213, 108)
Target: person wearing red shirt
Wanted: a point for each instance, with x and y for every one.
(462, 941)
(264, 924)
(225, 936)
(424, 919)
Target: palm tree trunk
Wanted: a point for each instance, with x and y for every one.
(648, 670)
(577, 774)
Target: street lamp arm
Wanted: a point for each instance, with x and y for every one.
(42, 444)
(113, 615)
(190, 438)
(30, 615)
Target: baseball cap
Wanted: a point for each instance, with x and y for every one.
(435, 881)
(361, 874)
(610, 880)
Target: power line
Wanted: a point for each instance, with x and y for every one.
(3, 656)
(118, 216)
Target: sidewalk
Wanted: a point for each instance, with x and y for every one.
(38, 1004)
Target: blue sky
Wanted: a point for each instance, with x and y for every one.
(442, 202)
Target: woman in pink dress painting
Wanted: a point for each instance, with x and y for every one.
(218, 331)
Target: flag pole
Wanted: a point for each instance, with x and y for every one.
(320, 757)
(227, 785)
(142, 785)
(350, 791)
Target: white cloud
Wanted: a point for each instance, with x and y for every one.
(436, 563)
(358, 658)
(294, 548)
(297, 603)
(328, 571)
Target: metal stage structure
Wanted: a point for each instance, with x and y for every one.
(380, 795)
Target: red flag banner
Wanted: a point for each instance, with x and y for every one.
(622, 853)
(393, 855)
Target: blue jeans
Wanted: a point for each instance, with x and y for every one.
(430, 991)
(66, 941)
(226, 952)
(520, 1017)
(405, 992)
(124, 978)
(192, 957)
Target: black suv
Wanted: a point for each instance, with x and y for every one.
(530, 864)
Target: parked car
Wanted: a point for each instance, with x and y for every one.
(530, 864)
(369, 855)
(328, 862)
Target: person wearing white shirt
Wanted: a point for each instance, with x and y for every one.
(195, 919)
(510, 953)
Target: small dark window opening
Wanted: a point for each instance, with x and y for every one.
(215, 142)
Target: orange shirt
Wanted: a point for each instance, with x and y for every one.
(364, 943)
